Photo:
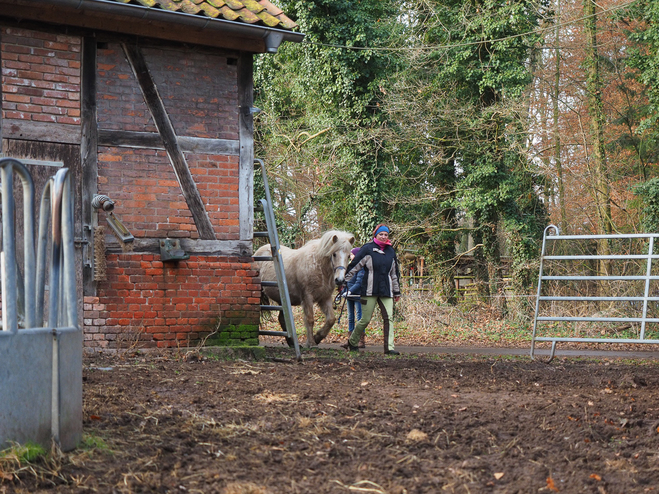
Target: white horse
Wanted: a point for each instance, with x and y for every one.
(312, 273)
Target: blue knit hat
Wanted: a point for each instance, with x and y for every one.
(380, 228)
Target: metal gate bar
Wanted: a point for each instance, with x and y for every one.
(552, 234)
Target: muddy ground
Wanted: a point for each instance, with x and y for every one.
(182, 422)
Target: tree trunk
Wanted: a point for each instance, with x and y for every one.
(557, 130)
(492, 251)
(596, 112)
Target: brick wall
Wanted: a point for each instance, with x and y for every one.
(150, 202)
(199, 91)
(120, 105)
(149, 303)
(145, 302)
(40, 76)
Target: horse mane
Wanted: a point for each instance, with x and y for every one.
(327, 246)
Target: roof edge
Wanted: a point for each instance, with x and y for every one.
(272, 37)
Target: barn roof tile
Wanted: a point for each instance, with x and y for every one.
(259, 12)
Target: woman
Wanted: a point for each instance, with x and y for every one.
(380, 286)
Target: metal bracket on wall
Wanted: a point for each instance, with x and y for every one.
(118, 227)
(170, 250)
(85, 243)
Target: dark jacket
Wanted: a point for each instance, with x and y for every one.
(381, 272)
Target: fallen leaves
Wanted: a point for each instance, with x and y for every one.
(417, 435)
(498, 475)
(551, 485)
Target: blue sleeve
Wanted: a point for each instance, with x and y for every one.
(355, 285)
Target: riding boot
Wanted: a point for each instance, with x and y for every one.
(362, 341)
(346, 345)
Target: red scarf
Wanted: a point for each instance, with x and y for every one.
(382, 245)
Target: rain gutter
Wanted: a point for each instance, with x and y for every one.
(272, 37)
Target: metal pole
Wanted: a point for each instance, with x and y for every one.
(646, 294)
(42, 252)
(9, 292)
(56, 249)
(537, 298)
(69, 291)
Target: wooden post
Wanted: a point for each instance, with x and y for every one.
(246, 133)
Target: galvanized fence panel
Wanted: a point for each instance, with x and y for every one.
(619, 287)
(40, 348)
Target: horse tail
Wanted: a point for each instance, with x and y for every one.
(266, 315)
(264, 298)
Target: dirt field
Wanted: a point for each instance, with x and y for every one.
(373, 423)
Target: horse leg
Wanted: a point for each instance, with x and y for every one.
(307, 308)
(282, 323)
(330, 319)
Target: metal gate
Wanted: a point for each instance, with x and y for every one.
(587, 297)
(40, 341)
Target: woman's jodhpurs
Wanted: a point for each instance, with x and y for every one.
(386, 305)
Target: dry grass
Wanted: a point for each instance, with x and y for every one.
(244, 488)
(420, 319)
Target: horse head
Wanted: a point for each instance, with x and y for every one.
(337, 246)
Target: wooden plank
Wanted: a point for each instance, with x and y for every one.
(128, 139)
(227, 147)
(246, 135)
(40, 131)
(220, 248)
(89, 158)
(166, 130)
(151, 140)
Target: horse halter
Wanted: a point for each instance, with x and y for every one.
(337, 267)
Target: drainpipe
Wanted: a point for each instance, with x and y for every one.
(272, 37)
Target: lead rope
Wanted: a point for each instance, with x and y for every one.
(343, 304)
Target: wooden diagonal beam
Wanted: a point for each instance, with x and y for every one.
(166, 129)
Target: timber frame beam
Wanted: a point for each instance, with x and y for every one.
(170, 142)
